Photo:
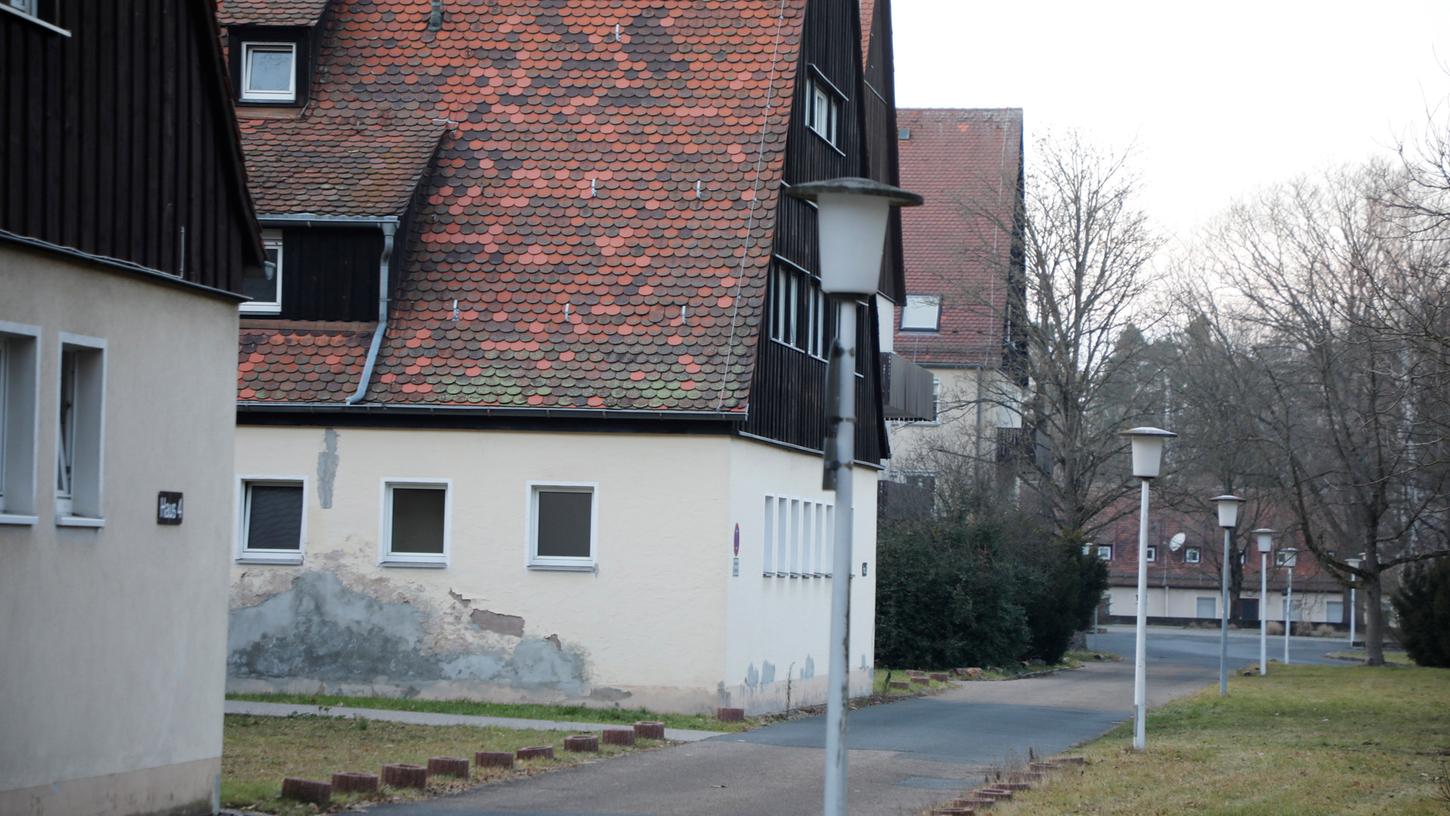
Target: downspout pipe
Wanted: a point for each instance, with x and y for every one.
(385, 262)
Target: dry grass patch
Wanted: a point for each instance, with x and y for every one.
(258, 752)
(1303, 740)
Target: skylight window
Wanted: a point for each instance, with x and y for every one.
(922, 313)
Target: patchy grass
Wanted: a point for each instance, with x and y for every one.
(1392, 657)
(1303, 740)
(569, 713)
(258, 751)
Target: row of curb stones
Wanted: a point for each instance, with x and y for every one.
(984, 797)
(416, 776)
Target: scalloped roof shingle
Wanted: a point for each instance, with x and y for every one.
(602, 208)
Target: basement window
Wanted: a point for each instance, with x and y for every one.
(562, 524)
(18, 389)
(269, 72)
(1152, 553)
(415, 523)
(79, 430)
(1192, 555)
(1105, 552)
(272, 520)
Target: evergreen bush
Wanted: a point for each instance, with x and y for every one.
(1422, 604)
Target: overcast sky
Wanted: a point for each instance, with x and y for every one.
(1218, 98)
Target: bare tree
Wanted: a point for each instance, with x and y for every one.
(1343, 409)
(1086, 247)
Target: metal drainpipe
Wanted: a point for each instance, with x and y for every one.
(385, 261)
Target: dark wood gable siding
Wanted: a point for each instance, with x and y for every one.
(878, 98)
(115, 142)
(330, 273)
(787, 395)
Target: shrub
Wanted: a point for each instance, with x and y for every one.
(1422, 604)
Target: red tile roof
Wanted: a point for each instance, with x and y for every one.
(294, 361)
(337, 165)
(965, 162)
(271, 12)
(868, 10)
(603, 209)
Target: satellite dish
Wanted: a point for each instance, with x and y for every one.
(1176, 541)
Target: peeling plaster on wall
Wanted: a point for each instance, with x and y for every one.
(327, 468)
(511, 625)
(321, 628)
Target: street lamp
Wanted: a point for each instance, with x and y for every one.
(1147, 459)
(1265, 537)
(851, 216)
(1353, 609)
(1291, 556)
(1228, 518)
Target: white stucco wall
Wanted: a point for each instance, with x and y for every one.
(963, 424)
(112, 647)
(661, 623)
(779, 627)
(1312, 607)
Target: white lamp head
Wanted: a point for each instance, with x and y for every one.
(1147, 450)
(851, 224)
(1265, 538)
(1228, 509)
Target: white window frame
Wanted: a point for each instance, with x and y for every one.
(818, 91)
(1192, 555)
(243, 554)
(26, 10)
(91, 462)
(249, 95)
(790, 325)
(1105, 548)
(20, 348)
(1152, 553)
(271, 238)
(386, 556)
(908, 310)
(534, 561)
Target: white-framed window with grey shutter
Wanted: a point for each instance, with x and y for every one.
(271, 519)
(563, 526)
(416, 522)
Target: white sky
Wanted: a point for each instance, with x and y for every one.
(1217, 98)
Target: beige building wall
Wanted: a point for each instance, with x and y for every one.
(964, 424)
(1173, 602)
(656, 624)
(112, 650)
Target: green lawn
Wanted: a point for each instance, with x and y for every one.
(1303, 740)
(570, 713)
(258, 751)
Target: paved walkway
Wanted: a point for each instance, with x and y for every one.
(431, 718)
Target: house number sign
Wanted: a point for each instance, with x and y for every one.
(168, 507)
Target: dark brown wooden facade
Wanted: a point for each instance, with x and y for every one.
(119, 140)
(787, 395)
(330, 273)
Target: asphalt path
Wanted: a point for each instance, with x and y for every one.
(904, 756)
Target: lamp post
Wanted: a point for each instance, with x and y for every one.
(1147, 459)
(851, 218)
(1228, 518)
(1265, 538)
(1291, 555)
(1353, 609)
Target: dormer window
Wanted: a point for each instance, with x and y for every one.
(269, 72)
(823, 109)
(264, 286)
